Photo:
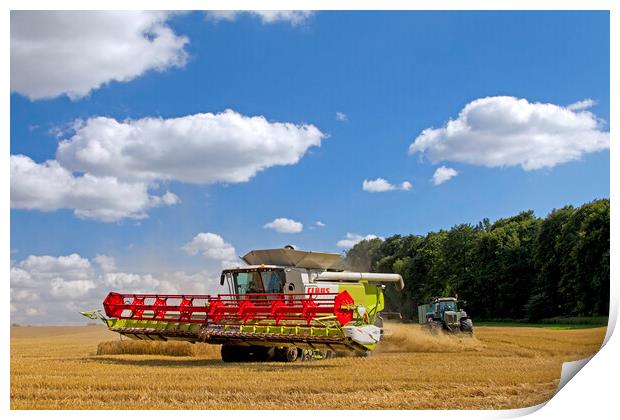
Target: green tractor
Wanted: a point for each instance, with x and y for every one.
(445, 314)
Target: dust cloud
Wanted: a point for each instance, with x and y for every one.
(412, 338)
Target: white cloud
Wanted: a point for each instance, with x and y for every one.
(382, 185)
(212, 246)
(120, 162)
(351, 239)
(284, 225)
(585, 104)
(377, 185)
(294, 17)
(41, 284)
(21, 278)
(134, 283)
(320, 224)
(201, 148)
(70, 267)
(32, 311)
(47, 289)
(24, 295)
(106, 263)
(341, 116)
(507, 131)
(71, 53)
(49, 186)
(443, 174)
(62, 288)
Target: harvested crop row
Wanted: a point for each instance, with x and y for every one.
(164, 348)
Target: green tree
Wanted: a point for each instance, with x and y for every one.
(516, 267)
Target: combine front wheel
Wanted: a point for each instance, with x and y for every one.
(231, 353)
(287, 354)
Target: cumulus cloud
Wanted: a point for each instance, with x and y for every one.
(105, 262)
(49, 186)
(579, 105)
(119, 162)
(176, 282)
(342, 117)
(284, 225)
(48, 289)
(136, 283)
(201, 148)
(56, 53)
(382, 185)
(294, 17)
(406, 186)
(21, 278)
(42, 285)
(212, 246)
(443, 174)
(62, 288)
(351, 239)
(70, 267)
(507, 131)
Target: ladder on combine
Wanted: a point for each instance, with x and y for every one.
(312, 321)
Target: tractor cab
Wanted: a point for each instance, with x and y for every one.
(445, 304)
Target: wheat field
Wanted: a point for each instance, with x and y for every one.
(500, 367)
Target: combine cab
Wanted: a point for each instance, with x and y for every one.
(444, 314)
(284, 305)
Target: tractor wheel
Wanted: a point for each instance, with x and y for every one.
(467, 326)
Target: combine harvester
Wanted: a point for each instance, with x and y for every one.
(284, 305)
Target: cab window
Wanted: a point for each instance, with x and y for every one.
(268, 281)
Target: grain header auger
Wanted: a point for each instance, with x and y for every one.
(284, 305)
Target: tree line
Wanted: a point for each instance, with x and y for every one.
(520, 267)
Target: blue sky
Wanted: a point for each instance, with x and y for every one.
(393, 74)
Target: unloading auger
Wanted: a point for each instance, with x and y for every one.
(284, 305)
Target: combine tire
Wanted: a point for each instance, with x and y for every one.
(233, 354)
(330, 354)
(467, 326)
(260, 353)
(286, 354)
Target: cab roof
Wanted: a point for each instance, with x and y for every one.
(287, 257)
